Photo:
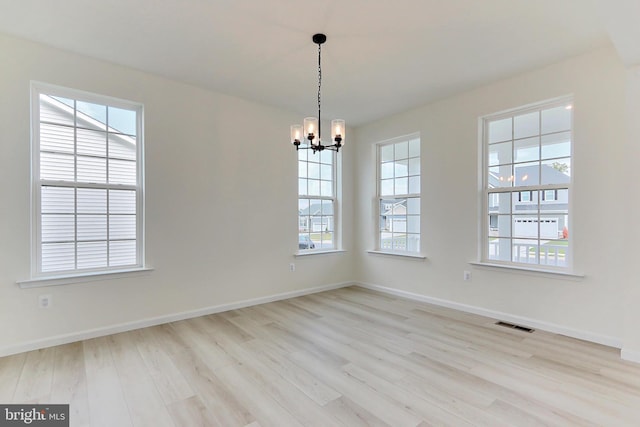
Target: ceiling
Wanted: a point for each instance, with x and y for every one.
(381, 56)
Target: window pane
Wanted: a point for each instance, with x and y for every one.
(556, 145)
(122, 253)
(500, 130)
(413, 224)
(554, 252)
(302, 187)
(414, 148)
(314, 187)
(92, 227)
(386, 187)
(122, 227)
(386, 153)
(56, 138)
(92, 143)
(123, 121)
(92, 169)
(56, 110)
(525, 226)
(527, 149)
(326, 188)
(500, 225)
(326, 157)
(527, 174)
(556, 171)
(556, 119)
(122, 201)
(526, 125)
(302, 169)
(500, 154)
(122, 172)
(401, 150)
(326, 172)
(58, 257)
(386, 170)
(500, 202)
(57, 200)
(500, 176)
(122, 147)
(414, 185)
(58, 228)
(93, 116)
(402, 168)
(92, 200)
(413, 242)
(313, 170)
(413, 206)
(525, 202)
(401, 186)
(499, 249)
(56, 167)
(92, 254)
(414, 167)
(525, 251)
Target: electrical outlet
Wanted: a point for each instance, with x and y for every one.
(292, 267)
(466, 275)
(45, 301)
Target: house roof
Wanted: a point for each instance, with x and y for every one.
(530, 175)
(315, 209)
(405, 53)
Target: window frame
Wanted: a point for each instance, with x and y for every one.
(59, 276)
(485, 191)
(334, 198)
(379, 197)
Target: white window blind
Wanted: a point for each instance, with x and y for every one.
(87, 182)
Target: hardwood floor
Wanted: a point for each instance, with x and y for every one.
(347, 357)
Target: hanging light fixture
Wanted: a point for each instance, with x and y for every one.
(312, 125)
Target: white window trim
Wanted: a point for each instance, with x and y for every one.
(379, 198)
(38, 278)
(483, 225)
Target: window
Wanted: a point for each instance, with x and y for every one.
(87, 183)
(316, 200)
(527, 182)
(399, 195)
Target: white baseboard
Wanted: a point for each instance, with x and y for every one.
(630, 355)
(153, 321)
(519, 320)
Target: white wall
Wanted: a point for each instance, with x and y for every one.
(590, 307)
(221, 203)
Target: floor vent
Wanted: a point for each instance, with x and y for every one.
(512, 326)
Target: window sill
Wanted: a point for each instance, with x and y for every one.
(81, 278)
(398, 254)
(330, 251)
(534, 271)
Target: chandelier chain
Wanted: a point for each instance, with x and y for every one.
(319, 88)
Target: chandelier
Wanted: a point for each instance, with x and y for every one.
(312, 125)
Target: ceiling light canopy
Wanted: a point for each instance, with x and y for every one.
(311, 129)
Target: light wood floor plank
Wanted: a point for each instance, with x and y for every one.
(36, 378)
(10, 371)
(106, 400)
(347, 357)
(70, 383)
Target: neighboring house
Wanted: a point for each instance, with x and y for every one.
(318, 217)
(553, 204)
(394, 215)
